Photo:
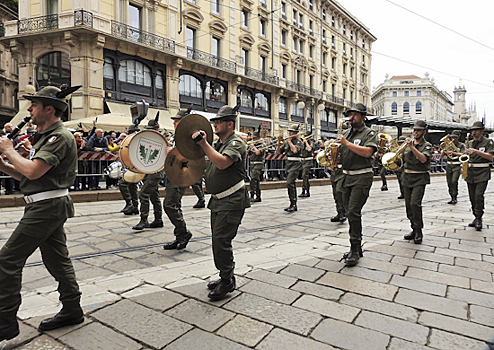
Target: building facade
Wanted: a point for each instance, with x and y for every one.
(8, 72)
(302, 61)
(412, 96)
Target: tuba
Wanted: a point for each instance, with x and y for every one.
(384, 145)
(392, 160)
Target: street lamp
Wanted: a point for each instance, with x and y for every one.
(30, 88)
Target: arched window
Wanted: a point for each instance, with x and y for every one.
(159, 80)
(394, 108)
(406, 108)
(282, 105)
(261, 102)
(54, 67)
(190, 86)
(108, 72)
(418, 108)
(134, 72)
(215, 92)
(246, 99)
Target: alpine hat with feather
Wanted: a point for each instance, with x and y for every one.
(53, 96)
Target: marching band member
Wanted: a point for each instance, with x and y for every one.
(291, 148)
(480, 150)
(453, 167)
(336, 184)
(358, 144)
(417, 164)
(256, 166)
(307, 163)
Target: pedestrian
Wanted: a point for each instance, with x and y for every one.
(480, 151)
(46, 177)
(358, 144)
(453, 165)
(225, 174)
(417, 165)
(293, 164)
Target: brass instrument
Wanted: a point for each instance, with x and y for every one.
(384, 145)
(393, 144)
(329, 156)
(464, 158)
(448, 145)
(392, 160)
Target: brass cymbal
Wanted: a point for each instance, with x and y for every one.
(182, 171)
(183, 140)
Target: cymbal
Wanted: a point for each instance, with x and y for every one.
(183, 140)
(182, 171)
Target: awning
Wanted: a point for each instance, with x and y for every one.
(118, 108)
(253, 122)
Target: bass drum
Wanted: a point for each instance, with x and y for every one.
(130, 176)
(114, 170)
(144, 152)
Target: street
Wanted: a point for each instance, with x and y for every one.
(293, 292)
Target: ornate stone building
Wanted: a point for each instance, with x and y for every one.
(8, 72)
(269, 56)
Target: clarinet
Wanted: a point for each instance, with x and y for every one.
(18, 128)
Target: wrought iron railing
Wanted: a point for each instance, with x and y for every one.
(83, 18)
(37, 24)
(2, 30)
(298, 87)
(260, 75)
(212, 60)
(124, 31)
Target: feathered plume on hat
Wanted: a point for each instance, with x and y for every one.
(153, 124)
(53, 96)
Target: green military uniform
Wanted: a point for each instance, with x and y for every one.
(129, 192)
(293, 167)
(415, 178)
(173, 208)
(42, 223)
(336, 178)
(150, 193)
(399, 176)
(358, 177)
(453, 172)
(479, 174)
(307, 164)
(227, 212)
(256, 168)
(199, 192)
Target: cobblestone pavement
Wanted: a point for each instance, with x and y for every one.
(292, 290)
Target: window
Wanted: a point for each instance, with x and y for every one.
(333, 89)
(108, 69)
(135, 18)
(394, 108)
(351, 53)
(333, 63)
(216, 6)
(324, 14)
(419, 93)
(282, 105)
(363, 43)
(299, 112)
(406, 108)
(51, 7)
(189, 86)
(215, 92)
(263, 3)
(301, 21)
(351, 72)
(190, 37)
(134, 72)
(15, 66)
(54, 66)
(324, 36)
(363, 60)
(324, 83)
(324, 58)
(245, 18)
(311, 5)
(294, 17)
(262, 29)
(215, 50)
(294, 44)
(333, 43)
(311, 52)
(418, 108)
(159, 80)
(283, 9)
(283, 70)
(245, 57)
(343, 94)
(344, 29)
(406, 93)
(311, 81)
(301, 47)
(245, 99)
(283, 37)
(261, 102)
(395, 93)
(311, 27)
(262, 63)
(344, 69)
(332, 21)
(344, 49)
(351, 34)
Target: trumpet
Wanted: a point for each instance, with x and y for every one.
(392, 160)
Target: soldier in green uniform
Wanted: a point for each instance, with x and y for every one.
(399, 172)
(453, 166)
(225, 174)
(417, 164)
(291, 148)
(199, 192)
(336, 184)
(45, 177)
(129, 189)
(173, 202)
(256, 157)
(358, 144)
(480, 151)
(149, 192)
(307, 163)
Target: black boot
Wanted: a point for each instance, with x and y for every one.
(170, 245)
(401, 196)
(183, 240)
(201, 203)
(252, 197)
(9, 327)
(418, 237)
(257, 199)
(384, 187)
(302, 194)
(453, 200)
(128, 205)
(473, 223)
(478, 224)
(213, 284)
(360, 253)
(158, 222)
(142, 224)
(133, 210)
(354, 255)
(222, 289)
(335, 218)
(292, 207)
(65, 317)
(409, 236)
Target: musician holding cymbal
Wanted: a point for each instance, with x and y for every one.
(225, 174)
(358, 144)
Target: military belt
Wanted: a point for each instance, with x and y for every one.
(453, 163)
(357, 172)
(294, 159)
(46, 195)
(229, 191)
(257, 162)
(478, 165)
(410, 171)
(307, 158)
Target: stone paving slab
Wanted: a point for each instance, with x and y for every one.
(327, 308)
(245, 330)
(199, 339)
(447, 341)
(281, 340)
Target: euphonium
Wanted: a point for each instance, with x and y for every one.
(448, 145)
(392, 160)
(383, 148)
(332, 151)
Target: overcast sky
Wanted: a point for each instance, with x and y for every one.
(408, 44)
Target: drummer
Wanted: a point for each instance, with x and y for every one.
(173, 202)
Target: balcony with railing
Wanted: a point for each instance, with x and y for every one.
(263, 76)
(37, 24)
(83, 18)
(211, 60)
(124, 31)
